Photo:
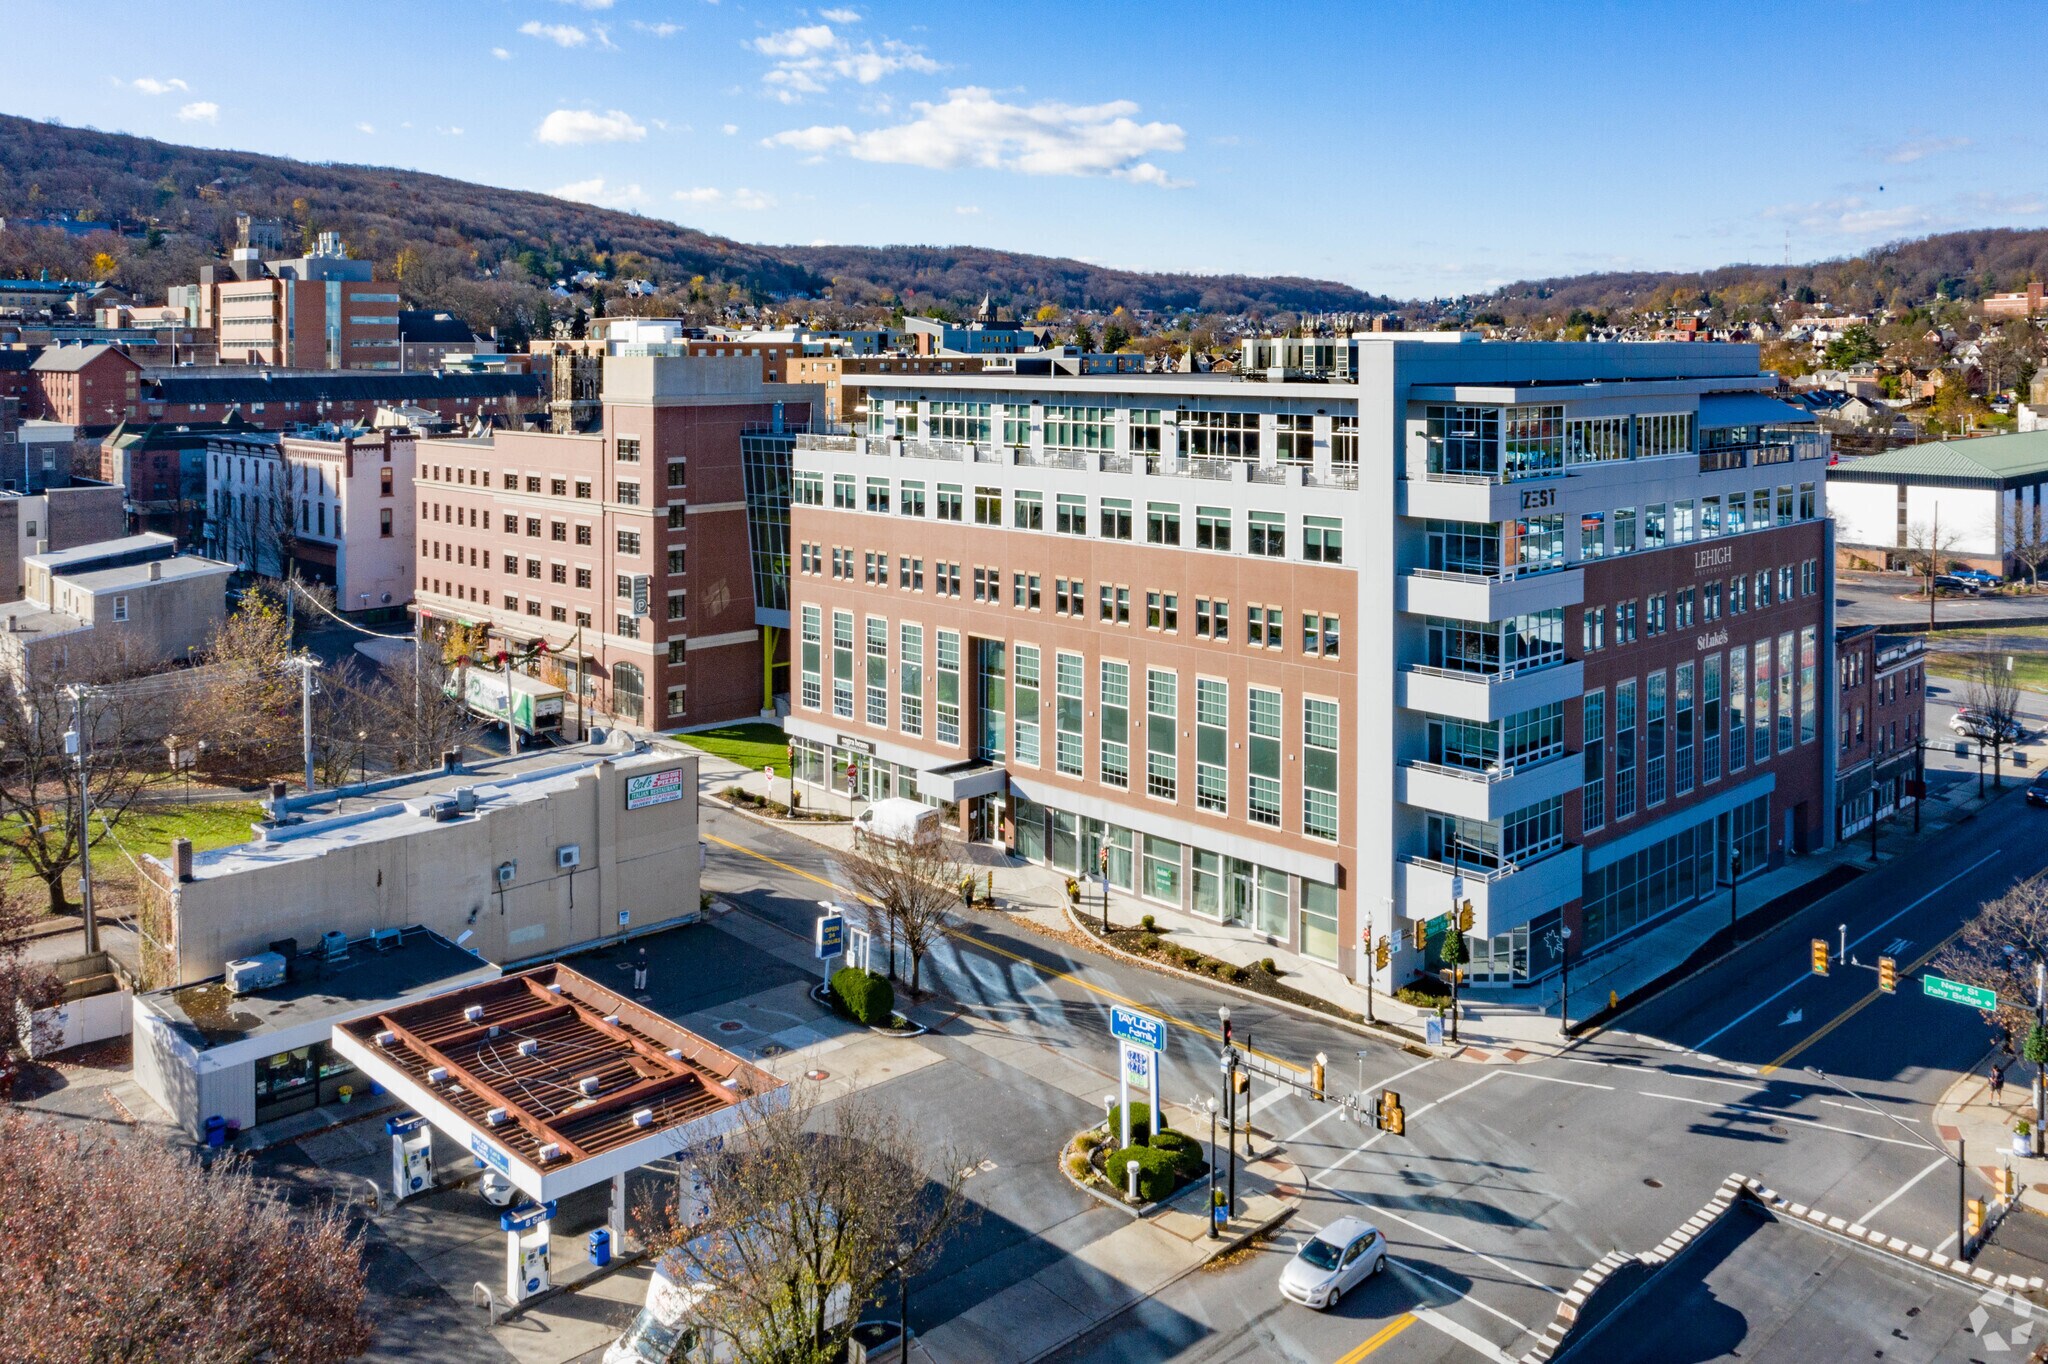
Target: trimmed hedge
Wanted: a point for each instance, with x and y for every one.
(1141, 1123)
(1185, 1150)
(868, 997)
(1159, 1172)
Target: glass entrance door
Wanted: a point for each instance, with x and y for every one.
(1240, 899)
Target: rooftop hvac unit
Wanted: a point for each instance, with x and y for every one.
(465, 799)
(438, 1075)
(334, 943)
(643, 1118)
(496, 1117)
(257, 972)
(529, 1047)
(474, 1013)
(675, 1053)
(506, 871)
(384, 939)
(588, 1084)
(569, 855)
(612, 1019)
(554, 987)
(387, 1038)
(549, 1151)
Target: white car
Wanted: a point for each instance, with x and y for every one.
(1339, 1257)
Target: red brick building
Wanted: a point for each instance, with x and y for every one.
(625, 549)
(84, 385)
(1880, 715)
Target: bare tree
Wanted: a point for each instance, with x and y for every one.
(413, 717)
(129, 1249)
(910, 890)
(1927, 545)
(40, 775)
(2026, 538)
(1993, 700)
(809, 1212)
(2000, 949)
(346, 725)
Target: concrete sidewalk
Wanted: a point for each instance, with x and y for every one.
(1494, 1025)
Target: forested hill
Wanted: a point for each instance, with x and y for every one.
(457, 227)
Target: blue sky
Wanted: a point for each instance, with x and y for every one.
(1407, 148)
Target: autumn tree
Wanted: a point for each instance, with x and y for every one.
(809, 1212)
(129, 1249)
(25, 985)
(910, 891)
(249, 714)
(2001, 947)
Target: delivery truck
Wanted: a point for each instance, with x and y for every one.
(534, 706)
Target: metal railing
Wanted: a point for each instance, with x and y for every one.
(1493, 678)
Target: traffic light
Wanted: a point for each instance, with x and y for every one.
(1887, 975)
(1465, 917)
(1392, 1119)
(1384, 953)
(1974, 1224)
(1820, 956)
(1421, 935)
(1240, 1080)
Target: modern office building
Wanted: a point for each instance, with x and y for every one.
(322, 310)
(1539, 627)
(625, 550)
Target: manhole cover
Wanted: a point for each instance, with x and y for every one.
(730, 1026)
(1654, 1183)
(817, 1075)
(1778, 1131)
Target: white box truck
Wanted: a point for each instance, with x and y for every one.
(535, 706)
(898, 820)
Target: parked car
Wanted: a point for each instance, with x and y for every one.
(1971, 724)
(2037, 791)
(1954, 583)
(1341, 1256)
(1977, 576)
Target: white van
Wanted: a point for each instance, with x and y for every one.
(664, 1332)
(898, 820)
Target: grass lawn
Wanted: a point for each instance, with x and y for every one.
(752, 744)
(147, 829)
(1957, 653)
(2030, 671)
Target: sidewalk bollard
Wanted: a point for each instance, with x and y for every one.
(1131, 1178)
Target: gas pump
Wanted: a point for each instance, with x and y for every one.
(526, 1250)
(412, 1155)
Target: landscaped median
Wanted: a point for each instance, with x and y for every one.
(1157, 1165)
(864, 997)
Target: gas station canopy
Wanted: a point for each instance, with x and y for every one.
(554, 1081)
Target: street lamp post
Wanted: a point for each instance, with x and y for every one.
(1960, 1158)
(362, 757)
(1734, 876)
(1229, 1060)
(903, 1294)
(1559, 940)
(79, 745)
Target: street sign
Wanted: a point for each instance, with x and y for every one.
(1955, 992)
(831, 935)
(641, 583)
(1140, 1028)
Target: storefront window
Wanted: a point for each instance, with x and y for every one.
(1208, 877)
(1162, 870)
(1319, 921)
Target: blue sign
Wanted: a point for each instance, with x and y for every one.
(1140, 1028)
(399, 1126)
(831, 938)
(532, 1215)
(489, 1154)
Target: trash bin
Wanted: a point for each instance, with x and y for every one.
(600, 1247)
(216, 1131)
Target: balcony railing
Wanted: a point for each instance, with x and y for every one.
(1486, 775)
(1488, 875)
(1504, 575)
(1494, 678)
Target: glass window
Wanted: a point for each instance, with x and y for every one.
(1262, 755)
(1319, 921)
(1319, 768)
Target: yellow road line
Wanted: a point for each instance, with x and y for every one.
(1839, 1019)
(1379, 1338)
(1053, 972)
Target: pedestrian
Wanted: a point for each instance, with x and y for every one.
(640, 970)
(1997, 1080)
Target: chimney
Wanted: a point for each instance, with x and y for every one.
(451, 760)
(181, 858)
(156, 570)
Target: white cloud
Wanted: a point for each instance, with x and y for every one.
(366, 128)
(449, 132)
(748, 200)
(501, 54)
(596, 191)
(796, 42)
(200, 111)
(1920, 148)
(604, 37)
(840, 16)
(662, 30)
(150, 85)
(588, 4)
(561, 35)
(974, 128)
(810, 57)
(1855, 217)
(729, 128)
(567, 127)
(967, 210)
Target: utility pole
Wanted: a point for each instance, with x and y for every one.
(306, 664)
(1933, 567)
(79, 746)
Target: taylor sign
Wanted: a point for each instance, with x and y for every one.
(1141, 1029)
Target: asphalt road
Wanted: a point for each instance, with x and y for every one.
(1510, 1180)
(1893, 599)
